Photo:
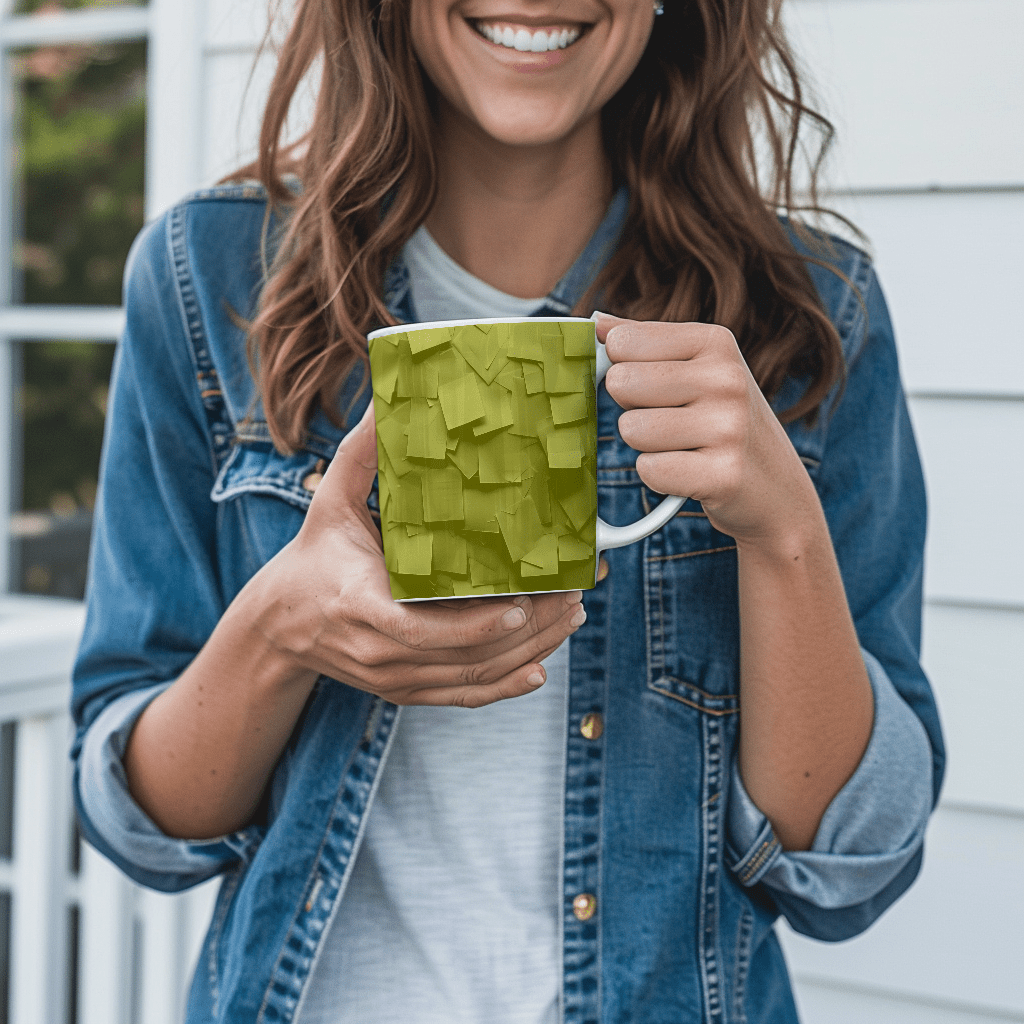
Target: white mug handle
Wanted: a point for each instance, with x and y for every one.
(620, 536)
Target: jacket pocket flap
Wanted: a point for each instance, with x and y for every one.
(261, 469)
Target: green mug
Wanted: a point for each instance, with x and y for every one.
(487, 457)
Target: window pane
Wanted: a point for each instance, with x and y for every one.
(50, 6)
(63, 399)
(81, 140)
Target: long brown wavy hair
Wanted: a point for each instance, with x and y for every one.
(703, 240)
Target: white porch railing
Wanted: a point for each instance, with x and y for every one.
(86, 946)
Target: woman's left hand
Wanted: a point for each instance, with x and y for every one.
(706, 431)
(695, 411)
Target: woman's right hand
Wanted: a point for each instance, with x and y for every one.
(200, 755)
(324, 602)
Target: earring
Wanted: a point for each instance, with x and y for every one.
(659, 7)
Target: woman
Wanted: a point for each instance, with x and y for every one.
(607, 845)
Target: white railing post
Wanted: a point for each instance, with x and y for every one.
(41, 838)
(174, 102)
(166, 957)
(105, 974)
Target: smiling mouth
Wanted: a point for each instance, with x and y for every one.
(527, 40)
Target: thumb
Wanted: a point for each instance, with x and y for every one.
(349, 477)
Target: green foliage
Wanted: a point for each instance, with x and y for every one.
(32, 6)
(83, 134)
(64, 399)
(81, 122)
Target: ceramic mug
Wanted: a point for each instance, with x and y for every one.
(487, 457)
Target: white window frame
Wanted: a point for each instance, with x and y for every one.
(173, 30)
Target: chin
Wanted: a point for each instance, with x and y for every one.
(516, 126)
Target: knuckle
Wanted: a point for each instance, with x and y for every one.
(366, 650)
(736, 380)
(733, 427)
(721, 337)
(473, 675)
(730, 472)
(410, 631)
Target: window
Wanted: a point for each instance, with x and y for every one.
(74, 78)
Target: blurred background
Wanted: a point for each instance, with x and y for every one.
(112, 111)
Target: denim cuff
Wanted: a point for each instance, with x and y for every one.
(122, 824)
(869, 832)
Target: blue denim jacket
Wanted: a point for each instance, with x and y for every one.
(687, 874)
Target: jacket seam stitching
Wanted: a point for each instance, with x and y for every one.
(691, 554)
(743, 940)
(767, 848)
(310, 880)
(208, 382)
(227, 897)
(716, 712)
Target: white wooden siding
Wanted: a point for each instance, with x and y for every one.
(928, 98)
(923, 92)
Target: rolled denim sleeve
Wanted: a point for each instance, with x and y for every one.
(116, 817)
(868, 848)
(871, 830)
(154, 592)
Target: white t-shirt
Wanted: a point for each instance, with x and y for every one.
(451, 915)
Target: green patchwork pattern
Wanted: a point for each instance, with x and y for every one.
(487, 451)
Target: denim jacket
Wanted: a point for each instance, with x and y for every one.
(687, 873)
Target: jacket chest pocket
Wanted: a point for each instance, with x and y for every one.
(692, 610)
(265, 495)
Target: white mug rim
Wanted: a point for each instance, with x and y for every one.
(398, 328)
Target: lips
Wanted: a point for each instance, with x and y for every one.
(528, 39)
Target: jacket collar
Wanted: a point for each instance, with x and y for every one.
(562, 298)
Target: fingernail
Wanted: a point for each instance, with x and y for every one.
(574, 597)
(514, 618)
(536, 678)
(578, 619)
(597, 313)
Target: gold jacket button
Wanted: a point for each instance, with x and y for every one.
(602, 569)
(592, 725)
(312, 480)
(584, 906)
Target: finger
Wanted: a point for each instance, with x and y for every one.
(424, 626)
(685, 429)
(656, 342)
(698, 474)
(545, 612)
(489, 664)
(517, 683)
(660, 384)
(604, 322)
(349, 477)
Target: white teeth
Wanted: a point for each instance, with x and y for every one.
(523, 40)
